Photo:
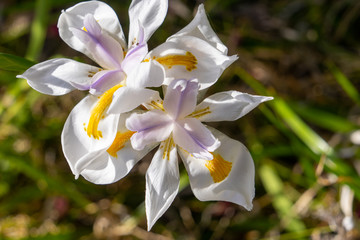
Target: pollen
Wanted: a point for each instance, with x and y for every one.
(188, 60)
(168, 145)
(98, 111)
(219, 168)
(119, 142)
(199, 113)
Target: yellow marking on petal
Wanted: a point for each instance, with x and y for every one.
(199, 113)
(157, 105)
(84, 28)
(98, 111)
(168, 145)
(219, 168)
(119, 142)
(188, 60)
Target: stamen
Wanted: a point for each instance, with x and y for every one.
(199, 113)
(98, 111)
(156, 105)
(119, 142)
(188, 60)
(219, 168)
(91, 73)
(168, 145)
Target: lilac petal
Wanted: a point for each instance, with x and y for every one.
(135, 54)
(106, 79)
(195, 138)
(73, 17)
(180, 98)
(150, 127)
(104, 49)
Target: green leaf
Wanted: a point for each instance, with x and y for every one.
(9, 62)
(324, 119)
(344, 82)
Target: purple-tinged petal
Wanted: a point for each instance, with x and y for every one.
(150, 127)
(106, 79)
(135, 55)
(195, 138)
(103, 48)
(73, 18)
(180, 98)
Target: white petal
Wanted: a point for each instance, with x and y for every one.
(106, 79)
(150, 127)
(200, 27)
(133, 59)
(127, 98)
(76, 142)
(101, 167)
(149, 13)
(207, 68)
(195, 138)
(59, 76)
(100, 46)
(237, 187)
(227, 106)
(162, 183)
(146, 74)
(180, 97)
(74, 18)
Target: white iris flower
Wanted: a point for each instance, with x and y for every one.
(94, 139)
(219, 168)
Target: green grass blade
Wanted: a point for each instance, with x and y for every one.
(37, 175)
(345, 83)
(282, 204)
(38, 29)
(9, 62)
(324, 119)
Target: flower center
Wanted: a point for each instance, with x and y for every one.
(98, 111)
(119, 142)
(188, 60)
(219, 168)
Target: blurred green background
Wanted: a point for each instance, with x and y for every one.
(305, 143)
